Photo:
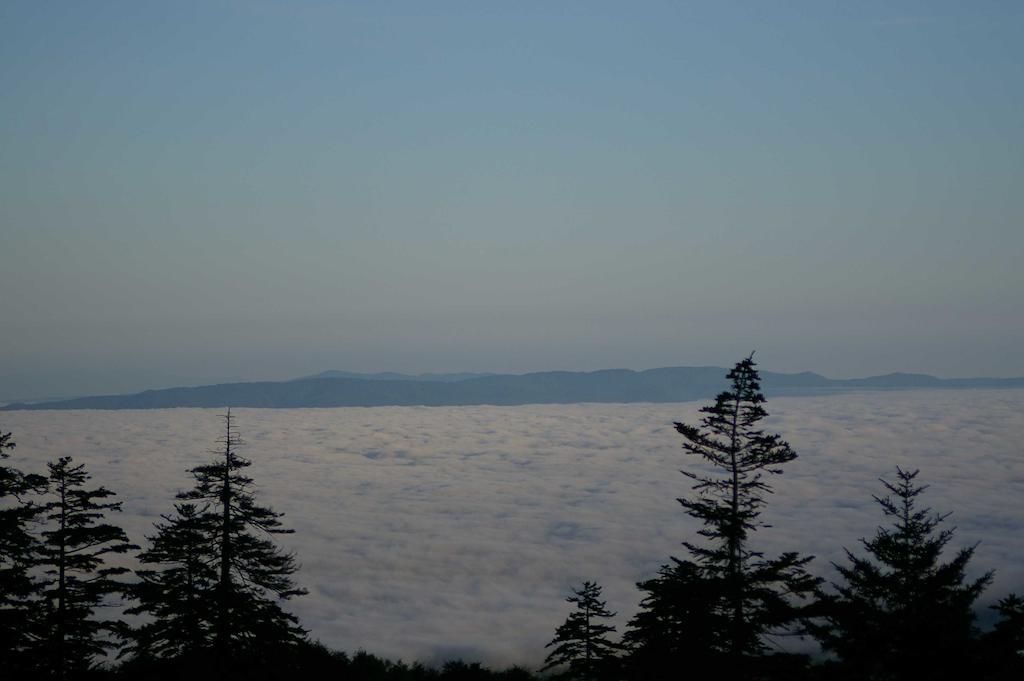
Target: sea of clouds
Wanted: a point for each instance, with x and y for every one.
(439, 532)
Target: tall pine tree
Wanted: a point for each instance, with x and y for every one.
(581, 645)
(252, 574)
(17, 553)
(745, 597)
(900, 613)
(76, 544)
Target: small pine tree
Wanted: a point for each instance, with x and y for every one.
(179, 595)
(677, 625)
(252, 573)
(580, 644)
(899, 613)
(1004, 645)
(17, 554)
(78, 582)
(753, 594)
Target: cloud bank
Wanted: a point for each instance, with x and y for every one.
(430, 533)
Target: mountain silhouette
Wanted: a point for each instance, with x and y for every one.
(340, 389)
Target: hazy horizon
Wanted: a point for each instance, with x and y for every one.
(200, 191)
(93, 384)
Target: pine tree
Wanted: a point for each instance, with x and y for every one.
(580, 644)
(78, 582)
(677, 625)
(745, 597)
(1004, 645)
(252, 574)
(17, 554)
(178, 596)
(899, 612)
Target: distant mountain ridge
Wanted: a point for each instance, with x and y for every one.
(392, 376)
(343, 389)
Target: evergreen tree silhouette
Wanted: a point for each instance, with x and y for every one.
(899, 613)
(743, 597)
(17, 553)
(1004, 645)
(73, 554)
(678, 624)
(252, 574)
(179, 595)
(580, 644)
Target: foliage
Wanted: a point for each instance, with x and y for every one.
(729, 599)
(1004, 646)
(676, 625)
(178, 596)
(899, 613)
(313, 661)
(73, 554)
(252, 574)
(17, 552)
(581, 645)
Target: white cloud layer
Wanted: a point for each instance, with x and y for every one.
(430, 533)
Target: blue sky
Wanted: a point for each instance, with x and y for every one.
(195, 191)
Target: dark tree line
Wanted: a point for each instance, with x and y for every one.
(18, 552)
(897, 611)
(209, 587)
(211, 584)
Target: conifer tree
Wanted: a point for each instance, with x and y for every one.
(17, 554)
(1004, 645)
(78, 581)
(677, 626)
(252, 574)
(744, 596)
(178, 595)
(899, 613)
(580, 644)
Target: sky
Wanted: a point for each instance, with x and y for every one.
(433, 533)
(202, 191)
